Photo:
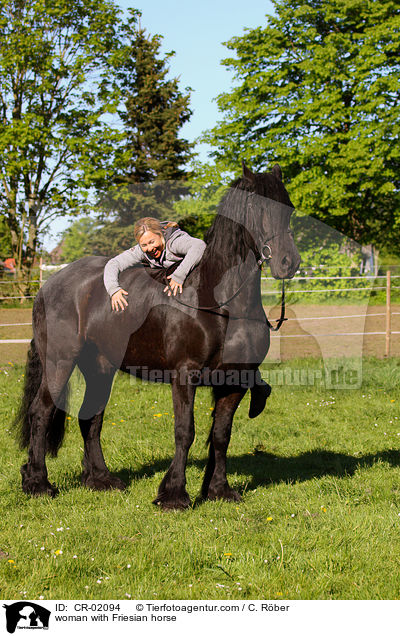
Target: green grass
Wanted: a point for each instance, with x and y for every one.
(320, 476)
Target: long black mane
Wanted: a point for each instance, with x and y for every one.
(231, 233)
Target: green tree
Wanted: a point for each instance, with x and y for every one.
(153, 111)
(317, 89)
(57, 84)
(5, 239)
(75, 240)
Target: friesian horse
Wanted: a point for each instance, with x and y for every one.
(215, 334)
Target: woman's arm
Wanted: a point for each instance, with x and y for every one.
(112, 269)
(192, 249)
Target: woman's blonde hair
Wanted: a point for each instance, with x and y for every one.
(149, 224)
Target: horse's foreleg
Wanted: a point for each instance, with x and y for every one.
(95, 472)
(172, 491)
(215, 484)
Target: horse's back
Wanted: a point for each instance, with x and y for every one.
(73, 308)
(60, 306)
(77, 275)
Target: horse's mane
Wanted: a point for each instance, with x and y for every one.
(230, 234)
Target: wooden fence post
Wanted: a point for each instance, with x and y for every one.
(388, 315)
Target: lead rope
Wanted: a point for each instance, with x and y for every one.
(281, 318)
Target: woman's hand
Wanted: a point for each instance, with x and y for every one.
(118, 302)
(173, 287)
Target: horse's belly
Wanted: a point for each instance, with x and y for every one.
(168, 340)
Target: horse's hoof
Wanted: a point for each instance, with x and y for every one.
(227, 493)
(39, 488)
(173, 502)
(103, 483)
(259, 396)
(38, 485)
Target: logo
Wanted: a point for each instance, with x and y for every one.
(26, 615)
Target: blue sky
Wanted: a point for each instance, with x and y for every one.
(195, 31)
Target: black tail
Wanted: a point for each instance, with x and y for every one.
(33, 379)
(22, 422)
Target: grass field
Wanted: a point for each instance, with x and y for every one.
(319, 472)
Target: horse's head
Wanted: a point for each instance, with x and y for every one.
(268, 213)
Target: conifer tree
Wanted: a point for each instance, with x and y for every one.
(153, 173)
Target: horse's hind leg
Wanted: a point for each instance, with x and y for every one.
(46, 424)
(34, 472)
(172, 491)
(215, 485)
(99, 377)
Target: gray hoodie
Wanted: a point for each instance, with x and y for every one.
(179, 246)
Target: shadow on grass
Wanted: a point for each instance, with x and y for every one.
(264, 469)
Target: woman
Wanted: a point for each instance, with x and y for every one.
(160, 245)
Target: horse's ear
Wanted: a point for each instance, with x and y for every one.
(277, 172)
(247, 173)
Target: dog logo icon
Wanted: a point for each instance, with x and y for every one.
(26, 615)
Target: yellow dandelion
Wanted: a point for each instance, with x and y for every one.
(58, 552)
(227, 553)
(393, 400)
(157, 415)
(11, 561)
(113, 424)
(269, 518)
(323, 508)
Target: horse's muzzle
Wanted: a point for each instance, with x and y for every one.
(286, 267)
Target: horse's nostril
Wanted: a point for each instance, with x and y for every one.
(285, 261)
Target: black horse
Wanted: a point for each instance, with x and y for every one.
(215, 335)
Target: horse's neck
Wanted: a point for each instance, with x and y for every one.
(228, 274)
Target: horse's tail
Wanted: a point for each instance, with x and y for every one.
(23, 422)
(32, 381)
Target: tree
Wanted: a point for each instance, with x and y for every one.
(152, 112)
(5, 240)
(75, 239)
(57, 84)
(155, 110)
(317, 90)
